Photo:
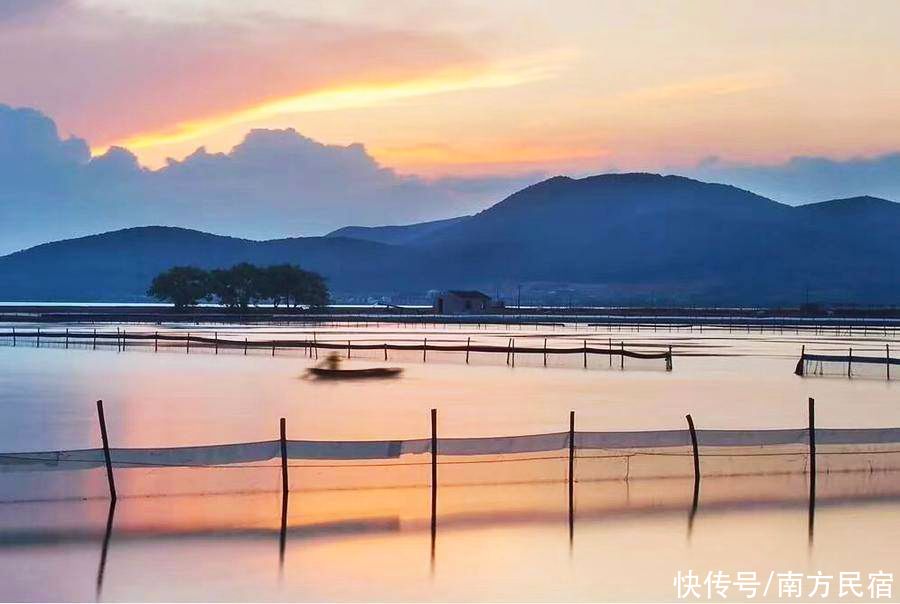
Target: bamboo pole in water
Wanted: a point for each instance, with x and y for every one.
(284, 458)
(696, 451)
(106, 456)
(434, 469)
(571, 476)
(812, 447)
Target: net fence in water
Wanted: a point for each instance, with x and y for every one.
(534, 351)
(322, 465)
(864, 363)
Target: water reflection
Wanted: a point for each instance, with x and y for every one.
(104, 550)
(334, 530)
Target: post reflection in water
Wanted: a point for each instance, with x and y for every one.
(104, 550)
(510, 533)
(282, 537)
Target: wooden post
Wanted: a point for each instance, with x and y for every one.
(812, 440)
(245, 346)
(348, 349)
(385, 351)
(610, 352)
(434, 475)
(38, 340)
(187, 344)
(584, 352)
(669, 359)
(124, 339)
(545, 352)
(696, 450)
(155, 341)
(513, 352)
(468, 344)
(424, 349)
(216, 340)
(571, 456)
(433, 481)
(104, 437)
(95, 339)
(284, 458)
(622, 355)
(273, 347)
(508, 346)
(14, 339)
(887, 359)
(67, 338)
(850, 363)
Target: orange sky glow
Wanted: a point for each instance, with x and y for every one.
(465, 88)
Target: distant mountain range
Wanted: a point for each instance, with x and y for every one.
(615, 239)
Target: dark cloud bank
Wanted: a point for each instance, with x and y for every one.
(277, 183)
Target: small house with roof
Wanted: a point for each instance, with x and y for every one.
(459, 302)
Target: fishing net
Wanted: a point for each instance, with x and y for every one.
(855, 363)
(324, 465)
(525, 351)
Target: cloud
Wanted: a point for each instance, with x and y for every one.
(808, 179)
(116, 76)
(12, 11)
(275, 183)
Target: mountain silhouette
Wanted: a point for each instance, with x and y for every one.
(624, 238)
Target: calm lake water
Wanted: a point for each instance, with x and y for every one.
(511, 540)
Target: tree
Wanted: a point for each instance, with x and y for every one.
(291, 285)
(241, 285)
(276, 283)
(309, 288)
(238, 286)
(182, 285)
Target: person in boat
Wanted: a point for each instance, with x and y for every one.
(332, 362)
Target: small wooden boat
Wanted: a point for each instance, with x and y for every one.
(354, 374)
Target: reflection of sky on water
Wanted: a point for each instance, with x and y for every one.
(502, 542)
(508, 542)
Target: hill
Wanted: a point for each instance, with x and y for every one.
(118, 266)
(616, 238)
(401, 235)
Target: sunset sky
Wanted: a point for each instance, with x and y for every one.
(467, 87)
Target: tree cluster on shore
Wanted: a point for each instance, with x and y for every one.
(240, 286)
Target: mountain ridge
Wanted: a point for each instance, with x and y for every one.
(623, 237)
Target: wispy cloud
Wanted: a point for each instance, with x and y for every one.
(704, 87)
(356, 95)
